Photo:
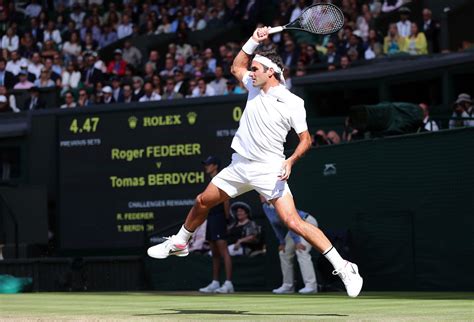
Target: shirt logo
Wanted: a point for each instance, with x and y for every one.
(330, 169)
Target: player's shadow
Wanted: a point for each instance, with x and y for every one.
(231, 312)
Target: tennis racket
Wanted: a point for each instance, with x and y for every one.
(320, 19)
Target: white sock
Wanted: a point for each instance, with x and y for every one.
(333, 256)
(227, 281)
(183, 236)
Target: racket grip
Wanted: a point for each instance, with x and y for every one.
(274, 30)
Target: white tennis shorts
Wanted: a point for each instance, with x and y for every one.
(243, 175)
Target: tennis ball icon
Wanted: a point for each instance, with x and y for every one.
(132, 122)
(192, 116)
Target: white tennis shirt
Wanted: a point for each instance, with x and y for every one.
(266, 121)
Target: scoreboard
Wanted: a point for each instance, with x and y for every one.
(128, 173)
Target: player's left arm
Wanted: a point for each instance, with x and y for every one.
(303, 146)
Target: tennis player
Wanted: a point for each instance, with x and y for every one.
(259, 163)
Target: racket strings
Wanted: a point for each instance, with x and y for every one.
(322, 19)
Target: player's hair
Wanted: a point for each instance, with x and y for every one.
(274, 57)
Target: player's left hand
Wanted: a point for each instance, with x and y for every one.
(286, 169)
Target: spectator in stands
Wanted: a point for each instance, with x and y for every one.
(219, 84)
(35, 66)
(71, 77)
(72, 48)
(137, 88)
(131, 54)
(169, 92)
(10, 97)
(15, 63)
(89, 28)
(27, 45)
(243, 236)
(23, 82)
(333, 137)
(169, 69)
(154, 60)
(363, 22)
(107, 97)
(165, 26)
(431, 28)
(34, 102)
(345, 62)
(44, 80)
(33, 9)
(182, 47)
(127, 94)
(290, 54)
(51, 33)
(404, 25)
(108, 36)
(125, 28)
(203, 89)
(83, 100)
(150, 94)
(331, 57)
(91, 75)
(460, 107)
(416, 43)
(233, 87)
(77, 15)
(117, 92)
(373, 46)
(393, 42)
(7, 79)
(428, 124)
(48, 64)
(69, 101)
(4, 105)
(117, 66)
(216, 234)
(89, 44)
(210, 61)
(181, 85)
(10, 42)
(391, 5)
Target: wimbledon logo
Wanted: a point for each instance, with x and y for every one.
(132, 122)
(192, 116)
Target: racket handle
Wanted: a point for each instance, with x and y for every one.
(274, 30)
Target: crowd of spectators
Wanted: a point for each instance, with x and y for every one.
(57, 44)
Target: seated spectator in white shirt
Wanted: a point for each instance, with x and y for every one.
(10, 42)
(69, 101)
(202, 89)
(150, 94)
(219, 84)
(404, 25)
(35, 67)
(51, 33)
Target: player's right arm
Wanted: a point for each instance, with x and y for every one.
(241, 61)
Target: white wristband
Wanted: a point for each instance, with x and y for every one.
(250, 46)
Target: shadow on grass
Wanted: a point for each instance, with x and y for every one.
(230, 312)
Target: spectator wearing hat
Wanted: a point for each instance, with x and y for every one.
(4, 105)
(428, 124)
(34, 102)
(404, 24)
(117, 66)
(216, 234)
(68, 101)
(6, 78)
(243, 236)
(131, 54)
(462, 109)
(23, 82)
(107, 97)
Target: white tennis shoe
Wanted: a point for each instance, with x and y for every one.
(284, 289)
(211, 288)
(351, 278)
(168, 246)
(227, 287)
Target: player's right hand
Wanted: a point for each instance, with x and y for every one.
(260, 34)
